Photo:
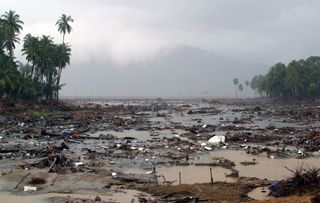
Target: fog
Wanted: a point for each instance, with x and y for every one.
(172, 47)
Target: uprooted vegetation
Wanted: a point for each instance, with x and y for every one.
(303, 180)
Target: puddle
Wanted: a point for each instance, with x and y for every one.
(260, 193)
(194, 174)
(272, 169)
(122, 196)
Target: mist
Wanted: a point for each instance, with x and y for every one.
(172, 48)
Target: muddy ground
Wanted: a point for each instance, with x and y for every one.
(107, 150)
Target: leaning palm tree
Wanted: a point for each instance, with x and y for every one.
(63, 25)
(11, 26)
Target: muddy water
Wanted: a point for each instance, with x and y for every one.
(121, 196)
(141, 135)
(194, 174)
(272, 169)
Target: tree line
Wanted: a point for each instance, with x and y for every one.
(298, 79)
(39, 77)
(238, 86)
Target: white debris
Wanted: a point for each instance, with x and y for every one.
(76, 164)
(29, 188)
(104, 147)
(207, 148)
(217, 139)
(149, 172)
(114, 174)
(204, 126)
(300, 152)
(203, 144)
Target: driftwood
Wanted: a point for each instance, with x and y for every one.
(22, 180)
(185, 200)
(54, 161)
(55, 179)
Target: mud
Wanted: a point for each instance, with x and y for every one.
(116, 196)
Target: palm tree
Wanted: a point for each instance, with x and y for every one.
(62, 59)
(235, 83)
(63, 25)
(11, 27)
(247, 83)
(240, 87)
(8, 73)
(31, 50)
(1, 37)
(44, 61)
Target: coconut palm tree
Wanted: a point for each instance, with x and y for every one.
(62, 59)
(1, 37)
(11, 26)
(235, 82)
(240, 87)
(31, 49)
(63, 25)
(44, 61)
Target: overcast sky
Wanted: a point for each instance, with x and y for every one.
(125, 31)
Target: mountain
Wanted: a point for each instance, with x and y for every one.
(181, 71)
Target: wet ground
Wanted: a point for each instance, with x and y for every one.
(106, 145)
(117, 196)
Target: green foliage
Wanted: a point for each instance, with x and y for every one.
(312, 89)
(299, 79)
(40, 77)
(11, 25)
(235, 81)
(63, 25)
(240, 87)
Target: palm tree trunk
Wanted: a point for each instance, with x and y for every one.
(11, 53)
(32, 69)
(63, 38)
(58, 83)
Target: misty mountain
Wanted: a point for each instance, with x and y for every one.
(181, 71)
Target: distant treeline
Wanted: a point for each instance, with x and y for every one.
(39, 78)
(299, 80)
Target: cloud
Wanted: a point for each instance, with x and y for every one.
(117, 34)
(128, 31)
